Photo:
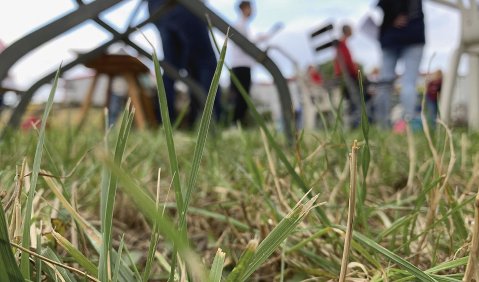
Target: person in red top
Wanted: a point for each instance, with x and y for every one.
(342, 50)
(344, 60)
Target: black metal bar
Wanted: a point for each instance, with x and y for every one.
(28, 43)
(322, 30)
(326, 45)
(200, 10)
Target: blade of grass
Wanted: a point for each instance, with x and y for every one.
(132, 264)
(155, 234)
(9, 270)
(472, 271)
(202, 135)
(171, 149)
(352, 205)
(198, 152)
(76, 254)
(217, 267)
(243, 263)
(365, 157)
(27, 219)
(168, 134)
(274, 239)
(116, 272)
(109, 193)
(38, 261)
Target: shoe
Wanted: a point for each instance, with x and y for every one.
(399, 127)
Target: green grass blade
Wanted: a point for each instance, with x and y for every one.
(199, 148)
(76, 254)
(110, 192)
(9, 270)
(27, 219)
(168, 134)
(171, 148)
(116, 272)
(243, 263)
(38, 261)
(132, 264)
(416, 272)
(448, 265)
(365, 155)
(202, 135)
(155, 236)
(217, 267)
(284, 228)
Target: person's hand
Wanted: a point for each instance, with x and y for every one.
(400, 21)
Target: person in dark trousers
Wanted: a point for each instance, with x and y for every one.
(241, 63)
(344, 60)
(402, 37)
(186, 46)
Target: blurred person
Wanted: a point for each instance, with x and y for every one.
(186, 46)
(433, 90)
(402, 37)
(240, 62)
(344, 60)
(118, 98)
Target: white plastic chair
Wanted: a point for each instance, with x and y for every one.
(468, 44)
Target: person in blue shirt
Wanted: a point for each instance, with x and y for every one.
(186, 46)
(402, 37)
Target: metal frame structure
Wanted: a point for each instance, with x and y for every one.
(91, 10)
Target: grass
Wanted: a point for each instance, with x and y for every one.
(244, 206)
(236, 200)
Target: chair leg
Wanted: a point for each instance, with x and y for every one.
(134, 94)
(87, 102)
(449, 86)
(473, 89)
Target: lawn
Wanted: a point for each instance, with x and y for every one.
(236, 204)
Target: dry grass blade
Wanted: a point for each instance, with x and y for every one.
(352, 203)
(272, 167)
(472, 273)
(437, 193)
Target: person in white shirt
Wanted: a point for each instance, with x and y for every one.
(241, 63)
